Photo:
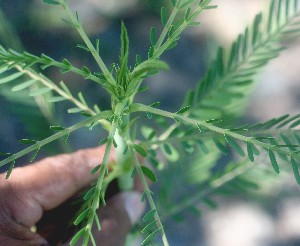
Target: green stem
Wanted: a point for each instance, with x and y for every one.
(67, 131)
(125, 182)
(12, 57)
(98, 186)
(88, 43)
(161, 47)
(76, 70)
(209, 126)
(39, 77)
(48, 83)
(205, 135)
(149, 195)
(71, 68)
(157, 142)
(166, 28)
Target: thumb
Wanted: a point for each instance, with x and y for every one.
(51, 181)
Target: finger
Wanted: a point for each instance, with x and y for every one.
(23, 241)
(122, 211)
(49, 182)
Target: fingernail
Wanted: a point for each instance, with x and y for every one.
(134, 206)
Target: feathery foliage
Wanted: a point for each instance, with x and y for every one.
(204, 124)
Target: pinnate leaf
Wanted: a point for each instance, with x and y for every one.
(57, 128)
(153, 36)
(273, 161)
(150, 237)
(95, 169)
(103, 141)
(11, 166)
(221, 146)
(295, 170)
(140, 150)
(234, 145)
(35, 153)
(170, 152)
(81, 216)
(27, 141)
(149, 215)
(11, 77)
(77, 236)
(148, 227)
(23, 85)
(39, 92)
(56, 99)
(5, 154)
(74, 110)
(211, 7)
(183, 110)
(154, 105)
(149, 173)
(250, 151)
(52, 2)
(89, 193)
(163, 14)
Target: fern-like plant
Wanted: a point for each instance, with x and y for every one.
(206, 122)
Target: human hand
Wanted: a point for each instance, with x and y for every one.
(33, 190)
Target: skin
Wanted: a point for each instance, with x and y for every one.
(34, 190)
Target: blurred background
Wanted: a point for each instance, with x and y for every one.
(267, 217)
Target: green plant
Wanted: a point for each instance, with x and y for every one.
(206, 121)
